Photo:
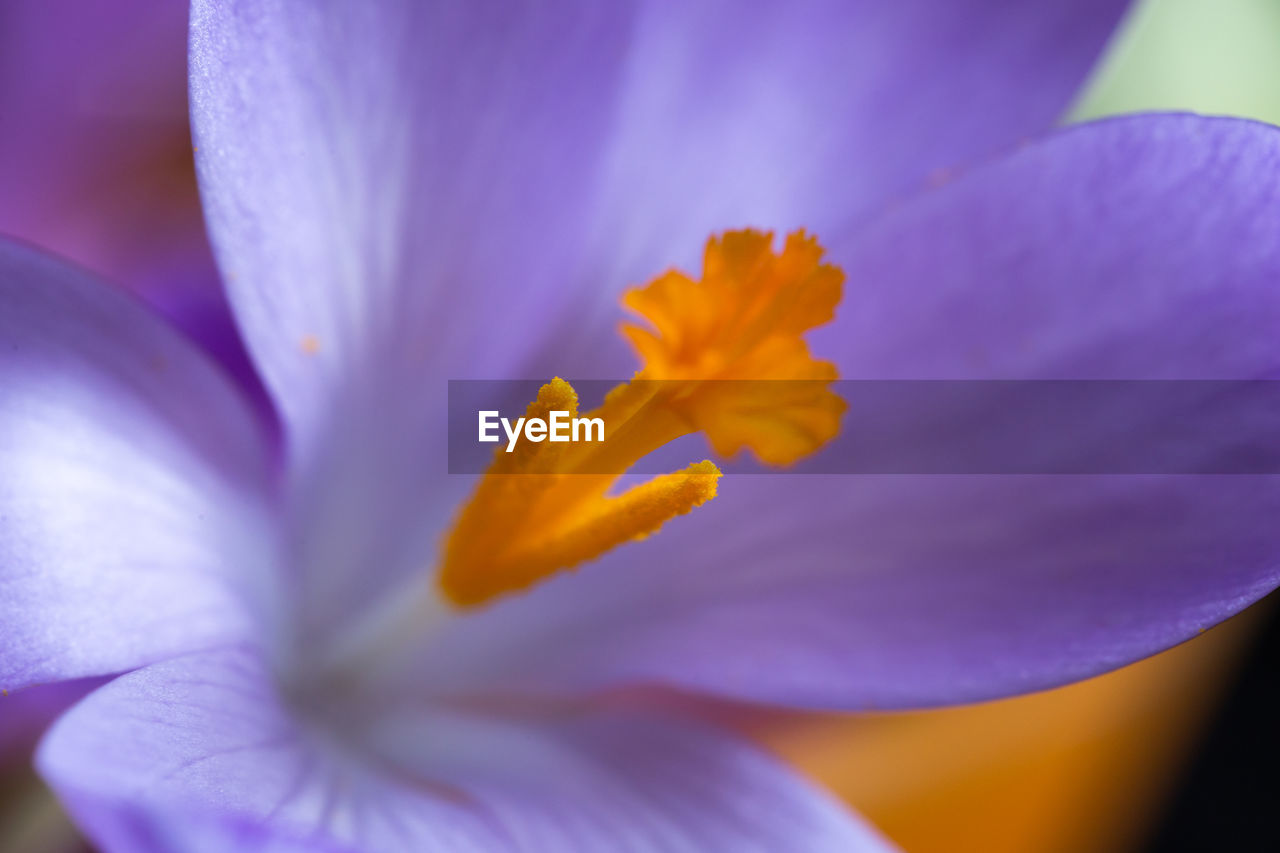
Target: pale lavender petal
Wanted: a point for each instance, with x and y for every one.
(597, 779)
(377, 179)
(160, 755)
(390, 185)
(1141, 248)
(133, 480)
(209, 735)
(140, 828)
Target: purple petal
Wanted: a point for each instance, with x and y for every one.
(729, 118)
(209, 734)
(1140, 248)
(132, 476)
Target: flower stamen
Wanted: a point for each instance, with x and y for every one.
(713, 356)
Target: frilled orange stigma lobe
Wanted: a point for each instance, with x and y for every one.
(723, 356)
(739, 332)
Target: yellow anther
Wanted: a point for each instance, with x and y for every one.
(723, 356)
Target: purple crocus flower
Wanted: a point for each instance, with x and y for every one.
(402, 193)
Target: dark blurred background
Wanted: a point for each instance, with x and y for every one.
(1228, 794)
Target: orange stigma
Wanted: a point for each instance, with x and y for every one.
(713, 353)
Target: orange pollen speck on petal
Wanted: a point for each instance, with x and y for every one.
(310, 345)
(723, 356)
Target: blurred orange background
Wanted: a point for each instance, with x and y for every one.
(1083, 767)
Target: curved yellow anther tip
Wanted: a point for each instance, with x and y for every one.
(558, 395)
(647, 507)
(699, 484)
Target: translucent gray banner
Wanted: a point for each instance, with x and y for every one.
(953, 427)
